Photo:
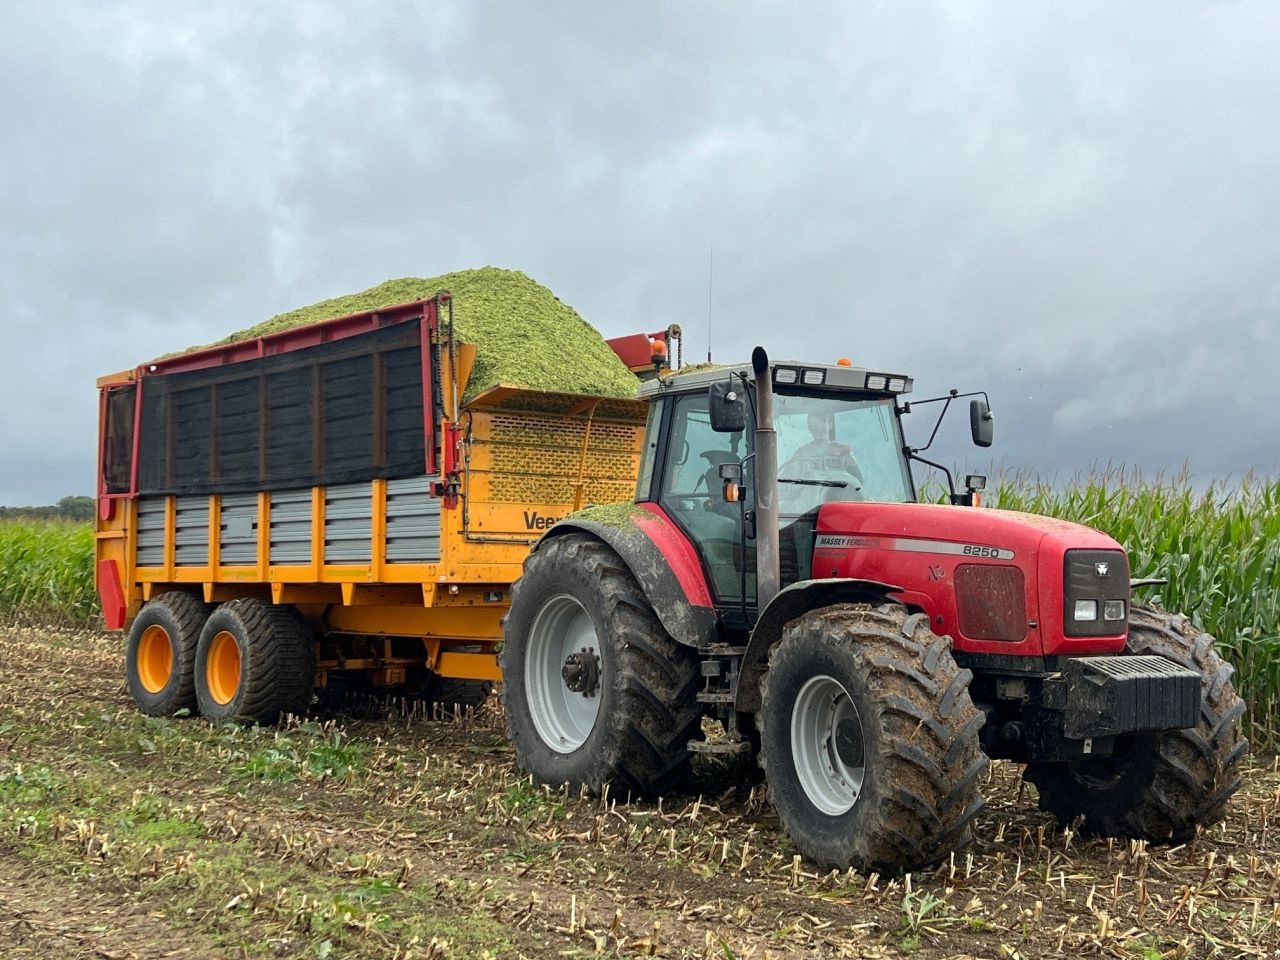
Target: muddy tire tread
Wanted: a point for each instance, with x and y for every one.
(1194, 772)
(925, 736)
(645, 752)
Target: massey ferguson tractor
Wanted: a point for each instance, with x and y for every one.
(777, 573)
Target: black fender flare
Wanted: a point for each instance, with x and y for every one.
(689, 624)
(790, 603)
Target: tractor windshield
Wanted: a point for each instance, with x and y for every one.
(833, 448)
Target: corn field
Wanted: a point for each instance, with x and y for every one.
(46, 571)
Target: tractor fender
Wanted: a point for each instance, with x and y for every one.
(663, 563)
(791, 602)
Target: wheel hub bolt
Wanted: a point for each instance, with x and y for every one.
(581, 672)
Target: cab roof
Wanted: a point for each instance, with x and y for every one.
(816, 376)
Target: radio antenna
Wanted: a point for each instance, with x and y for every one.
(711, 274)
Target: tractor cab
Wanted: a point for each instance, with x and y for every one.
(839, 439)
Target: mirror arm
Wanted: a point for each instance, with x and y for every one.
(945, 407)
(946, 404)
(914, 454)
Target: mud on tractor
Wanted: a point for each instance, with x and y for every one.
(776, 572)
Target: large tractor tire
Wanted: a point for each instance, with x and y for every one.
(161, 654)
(595, 690)
(255, 663)
(1157, 786)
(869, 739)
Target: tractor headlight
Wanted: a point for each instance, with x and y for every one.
(1113, 610)
(1086, 610)
(785, 375)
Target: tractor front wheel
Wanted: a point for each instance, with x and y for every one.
(1157, 786)
(869, 739)
(594, 689)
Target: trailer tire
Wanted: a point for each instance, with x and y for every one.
(161, 653)
(255, 663)
(1167, 782)
(576, 594)
(869, 739)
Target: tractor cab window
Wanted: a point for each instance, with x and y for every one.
(692, 491)
(833, 448)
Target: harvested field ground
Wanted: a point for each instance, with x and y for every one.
(400, 836)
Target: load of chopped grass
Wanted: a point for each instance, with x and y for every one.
(524, 335)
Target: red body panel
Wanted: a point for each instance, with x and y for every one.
(918, 547)
(636, 349)
(679, 553)
(111, 592)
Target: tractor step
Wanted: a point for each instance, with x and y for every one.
(722, 748)
(715, 696)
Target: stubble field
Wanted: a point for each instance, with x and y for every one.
(383, 833)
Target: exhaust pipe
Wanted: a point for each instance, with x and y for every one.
(766, 470)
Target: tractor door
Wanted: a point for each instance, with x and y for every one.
(691, 492)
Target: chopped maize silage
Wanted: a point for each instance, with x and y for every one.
(524, 335)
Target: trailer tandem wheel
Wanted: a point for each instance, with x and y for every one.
(255, 662)
(161, 653)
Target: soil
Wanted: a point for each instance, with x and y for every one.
(391, 834)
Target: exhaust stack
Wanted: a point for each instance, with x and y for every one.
(766, 470)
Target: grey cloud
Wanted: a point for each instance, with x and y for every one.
(1069, 203)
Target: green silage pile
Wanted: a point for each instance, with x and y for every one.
(524, 335)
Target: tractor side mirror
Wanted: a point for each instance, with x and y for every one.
(980, 422)
(728, 407)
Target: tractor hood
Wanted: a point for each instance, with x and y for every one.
(994, 579)
(1008, 529)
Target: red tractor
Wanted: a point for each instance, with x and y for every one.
(776, 572)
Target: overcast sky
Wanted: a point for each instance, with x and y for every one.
(1073, 205)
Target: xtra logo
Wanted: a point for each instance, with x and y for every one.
(535, 521)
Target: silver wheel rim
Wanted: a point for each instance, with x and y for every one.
(827, 745)
(563, 719)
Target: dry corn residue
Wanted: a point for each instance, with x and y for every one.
(524, 335)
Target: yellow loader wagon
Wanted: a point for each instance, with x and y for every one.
(321, 505)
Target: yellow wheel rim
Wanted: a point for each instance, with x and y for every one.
(223, 668)
(155, 658)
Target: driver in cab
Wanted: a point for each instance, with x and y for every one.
(822, 456)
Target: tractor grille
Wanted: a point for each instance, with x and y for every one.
(991, 602)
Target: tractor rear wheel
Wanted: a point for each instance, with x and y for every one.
(870, 740)
(161, 653)
(595, 690)
(1161, 785)
(255, 662)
